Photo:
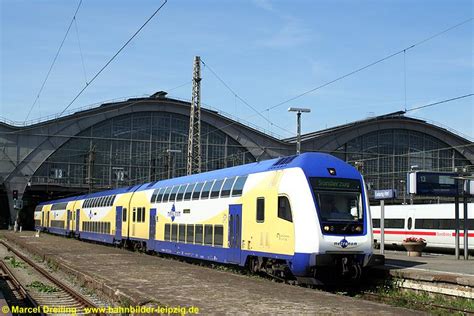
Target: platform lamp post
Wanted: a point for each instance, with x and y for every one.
(298, 125)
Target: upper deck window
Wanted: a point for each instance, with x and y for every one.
(181, 190)
(197, 190)
(229, 182)
(189, 191)
(216, 188)
(173, 193)
(206, 189)
(239, 186)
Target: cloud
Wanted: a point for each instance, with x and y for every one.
(290, 34)
(264, 4)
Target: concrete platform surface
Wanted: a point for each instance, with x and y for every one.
(431, 267)
(145, 279)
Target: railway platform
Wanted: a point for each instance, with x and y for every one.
(437, 273)
(138, 279)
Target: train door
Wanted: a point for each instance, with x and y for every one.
(42, 218)
(151, 242)
(68, 220)
(78, 215)
(118, 223)
(235, 232)
(47, 220)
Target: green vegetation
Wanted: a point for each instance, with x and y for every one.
(391, 293)
(53, 266)
(41, 287)
(14, 262)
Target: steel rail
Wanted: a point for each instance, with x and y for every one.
(80, 298)
(18, 287)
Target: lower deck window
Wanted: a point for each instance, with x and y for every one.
(190, 234)
(174, 232)
(167, 232)
(198, 235)
(208, 235)
(182, 232)
(218, 235)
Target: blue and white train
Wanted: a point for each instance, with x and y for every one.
(305, 217)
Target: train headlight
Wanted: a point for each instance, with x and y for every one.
(326, 228)
(331, 228)
(358, 229)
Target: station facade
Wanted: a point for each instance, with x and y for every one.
(145, 139)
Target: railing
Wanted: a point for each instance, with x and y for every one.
(72, 111)
(122, 99)
(438, 124)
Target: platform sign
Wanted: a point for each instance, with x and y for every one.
(385, 194)
(432, 183)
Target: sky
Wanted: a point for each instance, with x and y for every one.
(266, 51)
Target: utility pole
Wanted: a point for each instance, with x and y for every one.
(194, 136)
(90, 167)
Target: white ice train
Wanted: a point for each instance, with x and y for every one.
(433, 222)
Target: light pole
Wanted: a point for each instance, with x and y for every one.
(298, 125)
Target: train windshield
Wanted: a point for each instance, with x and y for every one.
(338, 200)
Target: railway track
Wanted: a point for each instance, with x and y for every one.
(47, 291)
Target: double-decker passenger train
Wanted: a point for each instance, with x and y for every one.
(297, 216)
(433, 222)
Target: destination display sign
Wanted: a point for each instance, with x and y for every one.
(335, 184)
(433, 183)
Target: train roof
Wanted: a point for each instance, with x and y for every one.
(314, 164)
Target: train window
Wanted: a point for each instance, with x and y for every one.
(260, 210)
(197, 190)
(182, 233)
(181, 190)
(198, 235)
(113, 200)
(101, 201)
(239, 186)
(206, 189)
(394, 223)
(284, 208)
(166, 195)
(186, 211)
(208, 235)
(167, 232)
(158, 192)
(410, 223)
(218, 235)
(216, 188)
(174, 232)
(124, 215)
(134, 215)
(153, 196)
(173, 193)
(229, 182)
(376, 222)
(189, 191)
(160, 195)
(190, 233)
(142, 218)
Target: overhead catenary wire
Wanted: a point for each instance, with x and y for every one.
(370, 64)
(54, 61)
(440, 102)
(237, 96)
(113, 57)
(355, 71)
